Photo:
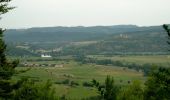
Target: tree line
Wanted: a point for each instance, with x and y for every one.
(156, 87)
(145, 68)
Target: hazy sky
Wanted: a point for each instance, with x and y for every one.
(41, 13)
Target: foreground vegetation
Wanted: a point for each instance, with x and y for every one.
(80, 78)
(80, 74)
(73, 80)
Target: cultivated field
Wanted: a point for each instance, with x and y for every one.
(150, 59)
(78, 73)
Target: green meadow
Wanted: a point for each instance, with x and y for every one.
(144, 59)
(80, 73)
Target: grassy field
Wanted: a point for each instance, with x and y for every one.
(80, 73)
(151, 59)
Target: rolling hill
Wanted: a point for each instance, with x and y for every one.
(119, 39)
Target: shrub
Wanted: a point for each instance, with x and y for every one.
(72, 83)
(109, 90)
(87, 84)
(67, 81)
(34, 91)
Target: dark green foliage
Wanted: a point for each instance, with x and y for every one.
(68, 82)
(92, 98)
(166, 27)
(158, 85)
(35, 91)
(63, 97)
(4, 6)
(73, 83)
(7, 69)
(87, 84)
(2, 50)
(132, 92)
(108, 91)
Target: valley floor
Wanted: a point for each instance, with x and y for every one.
(70, 76)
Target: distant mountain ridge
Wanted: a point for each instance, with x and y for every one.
(107, 40)
(72, 33)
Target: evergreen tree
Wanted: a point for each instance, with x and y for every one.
(132, 92)
(22, 89)
(167, 29)
(32, 91)
(7, 69)
(4, 6)
(108, 91)
(157, 86)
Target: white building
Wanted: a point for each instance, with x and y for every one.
(46, 56)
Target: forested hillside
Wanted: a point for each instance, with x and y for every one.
(53, 34)
(120, 39)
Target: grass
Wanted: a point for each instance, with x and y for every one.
(75, 93)
(152, 59)
(80, 73)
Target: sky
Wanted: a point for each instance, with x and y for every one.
(49, 13)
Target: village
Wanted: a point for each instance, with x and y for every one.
(41, 65)
(36, 64)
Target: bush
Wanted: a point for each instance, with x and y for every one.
(34, 91)
(74, 83)
(67, 81)
(131, 92)
(109, 90)
(87, 84)
(157, 85)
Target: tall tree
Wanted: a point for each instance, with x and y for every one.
(7, 69)
(108, 91)
(167, 29)
(132, 92)
(22, 89)
(157, 85)
(4, 8)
